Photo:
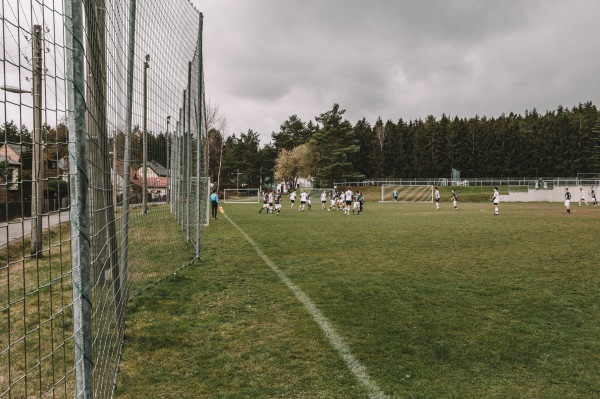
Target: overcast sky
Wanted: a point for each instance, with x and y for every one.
(266, 60)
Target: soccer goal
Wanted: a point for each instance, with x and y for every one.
(241, 196)
(407, 193)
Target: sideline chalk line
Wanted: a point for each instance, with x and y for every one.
(355, 367)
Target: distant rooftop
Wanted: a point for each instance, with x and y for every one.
(4, 158)
(158, 168)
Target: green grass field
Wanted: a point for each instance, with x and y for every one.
(446, 304)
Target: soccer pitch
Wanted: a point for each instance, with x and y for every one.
(420, 304)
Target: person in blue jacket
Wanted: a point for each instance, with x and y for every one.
(214, 202)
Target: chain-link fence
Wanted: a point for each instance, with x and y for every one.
(102, 180)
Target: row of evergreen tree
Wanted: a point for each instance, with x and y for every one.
(562, 142)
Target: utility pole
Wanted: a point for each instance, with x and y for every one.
(168, 164)
(37, 192)
(145, 149)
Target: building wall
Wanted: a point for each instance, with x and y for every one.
(556, 194)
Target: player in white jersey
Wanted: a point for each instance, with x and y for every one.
(271, 198)
(437, 198)
(292, 199)
(454, 200)
(324, 200)
(496, 200)
(302, 200)
(341, 203)
(582, 197)
(348, 200)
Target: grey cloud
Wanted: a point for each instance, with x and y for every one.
(399, 59)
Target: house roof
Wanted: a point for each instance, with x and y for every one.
(17, 148)
(133, 176)
(13, 151)
(11, 162)
(158, 168)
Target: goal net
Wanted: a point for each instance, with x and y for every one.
(407, 193)
(241, 196)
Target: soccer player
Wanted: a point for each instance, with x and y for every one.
(302, 200)
(292, 199)
(334, 195)
(271, 198)
(496, 200)
(308, 201)
(348, 199)
(265, 203)
(362, 201)
(437, 198)
(593, 195)
(454, 200)
(582, 197)
(395, 194)
(356, 204)
(324, 200)
(568, 200)
(278, 202)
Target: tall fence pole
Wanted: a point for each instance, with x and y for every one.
(127, 158)
(184, 168)
(145, 139)
(37, 165)
(178, 173)
(189, 151)
(175, 172)
(200, 124)
(168, 193)
(79, 215)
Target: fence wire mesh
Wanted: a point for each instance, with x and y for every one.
(103, 190)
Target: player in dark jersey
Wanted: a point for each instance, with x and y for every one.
(356, 202)
(362, 201)
(278, 202)
(334, 196)
(265, 203)
(568, 200)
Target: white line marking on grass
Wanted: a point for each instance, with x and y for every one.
(359, 371)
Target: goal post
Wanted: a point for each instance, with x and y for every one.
(412, 193)
(241, 196)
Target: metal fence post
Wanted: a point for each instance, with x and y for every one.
(189, 151)
(199, 122)
(37, 166)
(80, 238)
(127, 158)
(145, 138)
